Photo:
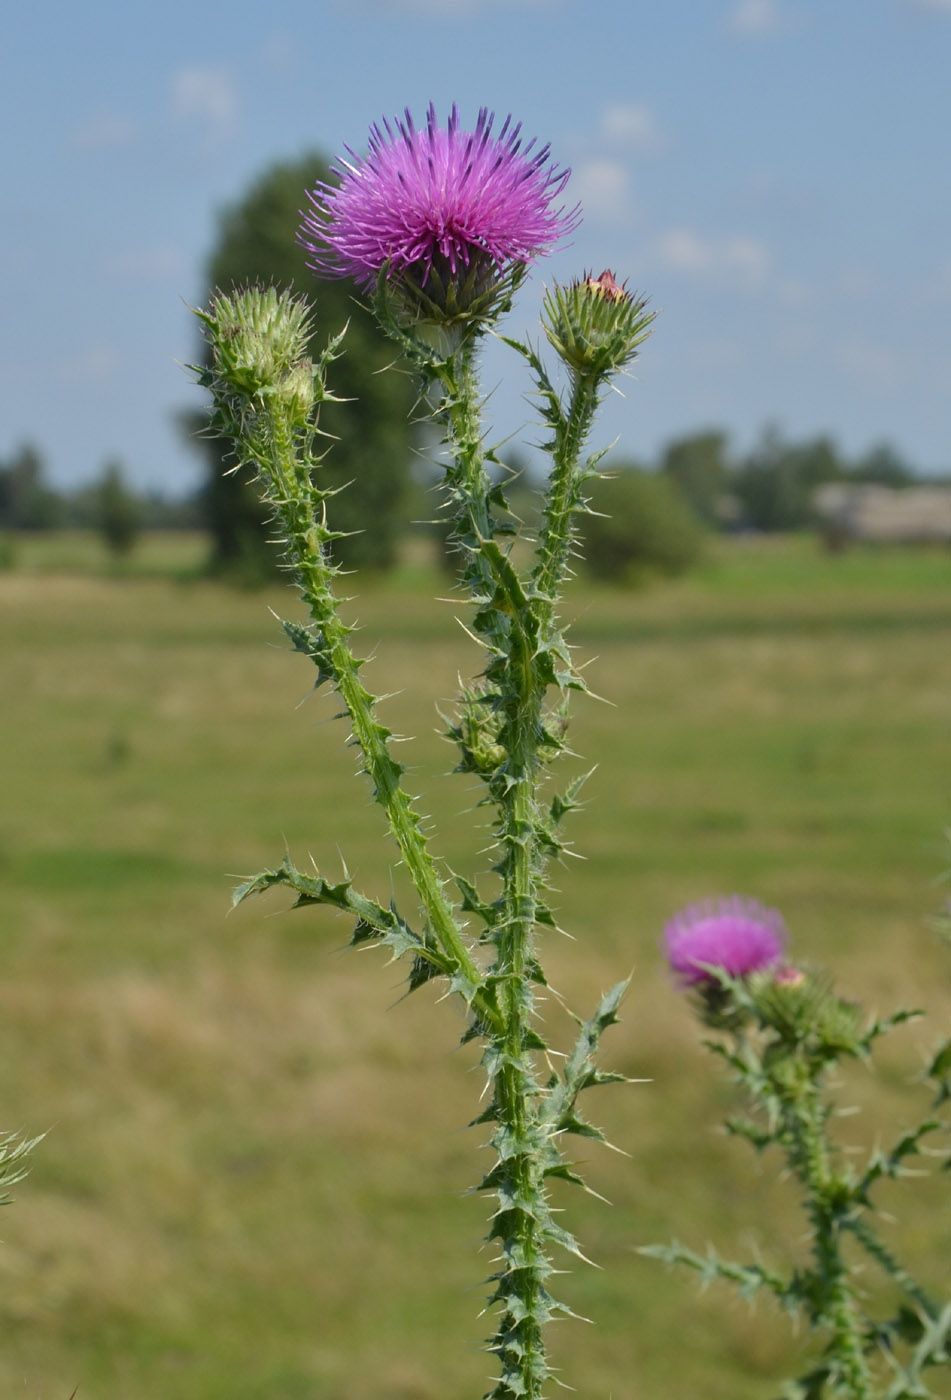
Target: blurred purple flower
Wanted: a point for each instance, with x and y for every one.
(436, 198)
(738, 935)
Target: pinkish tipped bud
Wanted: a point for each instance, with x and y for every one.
(606, 286)
(789, 977)
(595, 325)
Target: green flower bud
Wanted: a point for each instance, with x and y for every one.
(595, 325)
(259, 337)
(296, 390)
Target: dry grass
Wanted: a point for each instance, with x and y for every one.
(252, 1184)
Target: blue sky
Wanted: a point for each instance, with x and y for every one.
(774, 174)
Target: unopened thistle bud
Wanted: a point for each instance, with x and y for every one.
(595, 325)
(606, 286)
(259, 339)
(296, 390)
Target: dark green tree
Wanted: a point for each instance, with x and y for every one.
(775, 484)
(26, 501)
(117, 512)
(640, 525)
(882, 466)
(698, 465)
(370, 438)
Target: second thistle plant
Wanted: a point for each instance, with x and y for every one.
(442, 225)
(782, 1032)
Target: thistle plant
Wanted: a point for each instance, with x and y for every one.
(782, 1031)
(439, 226)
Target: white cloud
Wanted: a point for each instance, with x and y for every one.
(755, 17)
(603, 188)
(630, 125)
(747, 256)
(737, 260)
(108, 131)
(685, 251)
(601, 175)
(94, 365)
(206, 97)
(159, 263)
(869, 363)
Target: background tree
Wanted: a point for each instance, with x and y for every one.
(883, 466)
(371, 454)
(698, 466)
(641, 525)
(117, 511)
(775, 484)
(26, 501)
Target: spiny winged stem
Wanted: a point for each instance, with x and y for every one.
(567, 482)
(514, 619)
(509, 623)
(827, 1197)
(275, 429)
(311, 563)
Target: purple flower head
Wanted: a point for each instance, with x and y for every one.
(439, 208)
(738, 935)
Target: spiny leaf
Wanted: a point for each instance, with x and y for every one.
(748, 1278)
(565, 802)
(940, 1071)
(372, 919)
(888, 1023)
(473, 903)
(742, 1127)
(890, 1164)
(572, 1122)
(558, 1109)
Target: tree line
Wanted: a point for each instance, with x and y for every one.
(696, 485)
(109, 504)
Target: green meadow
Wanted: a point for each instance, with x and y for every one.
(253, 1184)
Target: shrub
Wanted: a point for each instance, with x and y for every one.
(642, 526)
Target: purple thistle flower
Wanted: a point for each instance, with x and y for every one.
(440, 208)
(738, 935)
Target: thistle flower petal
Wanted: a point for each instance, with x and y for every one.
(432, 206)
(738, 935)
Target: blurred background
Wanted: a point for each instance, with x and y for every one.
(252, 1184)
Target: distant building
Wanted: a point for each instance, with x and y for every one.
(883, 514)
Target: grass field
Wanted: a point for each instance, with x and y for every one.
(252, 1184)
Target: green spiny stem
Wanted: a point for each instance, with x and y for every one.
(507, 621)
(570, 434)
(466, 472)
(512, 621)
(295, 500)
(834, 1302)
(516, 1087)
